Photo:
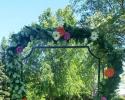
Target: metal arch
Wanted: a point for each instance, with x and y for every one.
(99, 60)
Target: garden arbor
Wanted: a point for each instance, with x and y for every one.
(13, 58)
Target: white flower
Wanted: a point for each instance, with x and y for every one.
(56, 35)
(94, 36)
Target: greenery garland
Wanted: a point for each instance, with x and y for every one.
(13, 58)
(20, 40)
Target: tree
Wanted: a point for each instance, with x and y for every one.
(89, 7)
(4, 90)
(107, 21)
(49, 20)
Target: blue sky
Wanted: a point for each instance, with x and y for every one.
(14, 14)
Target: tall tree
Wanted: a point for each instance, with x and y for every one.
(89, 7)
(4, 89)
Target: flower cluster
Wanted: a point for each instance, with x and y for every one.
(109, 72)
(60, 32)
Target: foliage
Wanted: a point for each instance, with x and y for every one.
(58, 75)
(49, 20)
(104, 18)
(89, 7)
(109, 33)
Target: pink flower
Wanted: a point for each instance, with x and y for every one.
(19, 49)
(103, 98)
(67, 36)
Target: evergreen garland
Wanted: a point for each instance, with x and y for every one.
(20, 40)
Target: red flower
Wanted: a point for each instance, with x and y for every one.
(19, 49)
(24, 98)
(67, 36)
(109, 72)
(61, 30)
